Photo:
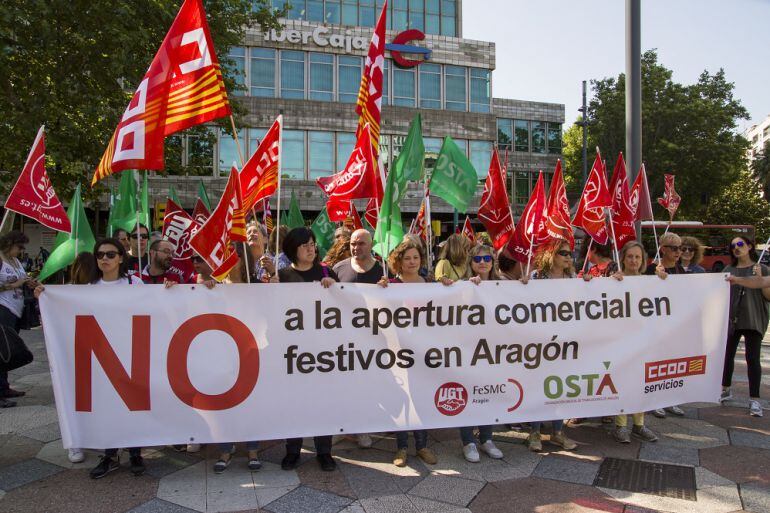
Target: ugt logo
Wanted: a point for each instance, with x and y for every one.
(451, 398)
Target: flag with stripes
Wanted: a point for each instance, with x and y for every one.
(183, 87)
(267, 216)
(370, 92)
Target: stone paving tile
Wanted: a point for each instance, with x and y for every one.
(563, 468)
(267, 495)
(664, 453)
(20, 418)
(188, 481)
(595, 442)
(371, 472)
(749, 438)
(738, 464)
(704, 478)
(714, 499)
(354, 507)
(53, 452)
(389, 504)
(684, 432)
(195, 502)
(26, 472)
(755, 498)
(159, 506)
(311, 475)
(167, 461)
(451, 462)
(304, 499)
(630, 508)
(736, 418)
(429, 506)
(45, 434)
(231, 500)
(15, 449)
(449, 489)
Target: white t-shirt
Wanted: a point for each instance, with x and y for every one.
(12, 299)
(131, 280)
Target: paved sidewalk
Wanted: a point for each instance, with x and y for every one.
(729, 450)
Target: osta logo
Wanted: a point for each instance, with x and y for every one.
(451, 398)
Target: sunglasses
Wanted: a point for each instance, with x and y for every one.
(144, 236)
(738, 244)
(673, 248)
(482, 258)
(687, 249)
(109, 254)
(564, 253)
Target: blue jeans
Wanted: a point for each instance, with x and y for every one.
(466, 434)
(230, 446)
(558, 425)
(420, 439)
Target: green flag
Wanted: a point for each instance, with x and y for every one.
(203, 195)
(81, 239)
(323, 229)
(453, 178)
(284, 218)
(124, 210)
(172, 196)
(389, 232)
(409, 166)
(144, 215)
(294, 218)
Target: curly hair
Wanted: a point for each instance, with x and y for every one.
(339, 251)
(397, 255)
(545, 255)
(697, 246)
(11, 239)
(483, 249)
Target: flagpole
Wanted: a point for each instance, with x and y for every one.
(277, 226)
(585, 260)
(139, 244)
(764, 250)
(529, 253)
(5, 217)
(428, 225)
(652, 216)
(246, 249)
(614, 239)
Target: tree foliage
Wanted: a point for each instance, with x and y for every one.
(760, 168)
(687, 130)
(741, 203)
(73, 65)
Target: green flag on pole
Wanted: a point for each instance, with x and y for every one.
(124, 210)
(323, 229)
(389, 232)
(81, 239)
(294, 218)
(144, 215)
(284, 218)
(409, 166)
(172, 195)
(453, 179)
(203, 195)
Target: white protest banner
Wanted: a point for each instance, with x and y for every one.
(144, 365)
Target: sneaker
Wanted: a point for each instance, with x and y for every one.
(644, 433)
(660, 413)
(193, 447)
(104, 467)
(137, 465)
(726, 395)
(676, 410)
(254, 464)
(561, 440)
(471, 453)
(755, 409)
(534, 443)
(10, 393)
(427, 456)
(400, 458)
(75, 455)
(7, 403)
(364, 441)
(221, 464)
(327, 462)
(491, 450)
(621, 435)
(290, 461)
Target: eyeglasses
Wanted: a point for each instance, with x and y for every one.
(564, 253)
(687, 249)
(673, 248)
(144, 236)
(109, 254)
(482, 258)
(738, 244)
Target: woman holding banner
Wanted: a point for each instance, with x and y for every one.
(454, 259)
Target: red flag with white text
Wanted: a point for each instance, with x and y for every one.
(468, 230)
(200, 212)
(523, 242)
(371, 212)
(590, 215)
(369, 103)
(622, 211)
(670, 200)
(495, 209)
(178, 228)
(558, 223)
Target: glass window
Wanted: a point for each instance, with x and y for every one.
(432, 24)
(321, 76)
(481, 154)
(397, 143)
(538, 137)
(385, 82)
(345, 144)
(200, 153)
(262, 72)
(349, 78)
(321, 154)
(315, 10)
(366, 16)
(228, 151)
(397, 4)
(297, 11)
(462, 144)
(554, 138)
(172, 155)
(403, 87)
(292, 74)
(448, 26)
(417, 21)
(400, 15)
(432, 6)
(454, 87)
(521, 184)
(430, 86)
(255, 137)
(385, 150)
(448, 7)
(480, 94)
(522, 135)
(293, 165)
(332, 14)
(432, 144)
(349, 12)
(237, 67)
(504, 134)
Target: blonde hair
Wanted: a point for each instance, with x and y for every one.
(397, 255)
(545, 255)
(339, 251)
(456, 249)
(697, 255)
(483, 249)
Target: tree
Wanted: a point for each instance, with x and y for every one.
(741, 203)
(687, 130)
(74, 64)
(760, 168)
(572, 158)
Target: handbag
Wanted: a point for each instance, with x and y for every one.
(13, 351)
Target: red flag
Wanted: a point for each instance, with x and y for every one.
(622, 211)
(670, 200)
(495, 208)
(33, 195)
(369, 101)
(558, 223)
(523, 240)
(225, 225)
(357, 224)
(468, 230)
(183, 87)
(178, 228)
(200, 212)
(259, 176)
(371, 213)
(639, 199)
(267, 215)
(595, 198)
(420, 224)
(357, 180)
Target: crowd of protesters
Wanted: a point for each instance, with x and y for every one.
(141, 257)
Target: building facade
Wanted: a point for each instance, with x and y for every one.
(758, 135)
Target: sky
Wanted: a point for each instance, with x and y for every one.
(546, 48)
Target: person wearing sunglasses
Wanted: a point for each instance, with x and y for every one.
(670, 252)
(159, 269)
(692, 255)
(138, 240)
(600, 258)
(748, 317)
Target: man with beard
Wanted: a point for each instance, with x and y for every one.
(157, 271)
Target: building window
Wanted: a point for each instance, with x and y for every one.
(349, 12)
(262, 72)
(522, 135)
(432, 147)
(366, 14)
(448, 18)
(332, 14)
(321, 154)
(297, 11)
(400, 15)
(345, 144)
(403, 87)
(430, 86)
(416, 15)
(349, 78)
(521, 186)
(322, 77)
(504, 134)
(293, 165)
(255, 137)
(237, 67)
(454, 83)
(481, 154)
(538, 137)
(385, 150)
(480, 94)
(315, 10)
(432, 16)
(554, 138)
(386, 82)
(292, 74)
(463, 145)
(228, 151)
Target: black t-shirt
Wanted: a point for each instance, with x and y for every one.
(677, 269)
(315, 273)
(132, 263)
(346, 273)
